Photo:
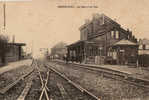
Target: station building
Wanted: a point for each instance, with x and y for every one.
(103, 40)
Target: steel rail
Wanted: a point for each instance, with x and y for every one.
(44, 88)
(73, 83)
(44, 85)
(125, 78)
(5, 89)
(63, 92)
(28, 85)
(25, 91)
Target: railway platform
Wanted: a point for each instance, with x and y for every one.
(14, 65)
(138, 72)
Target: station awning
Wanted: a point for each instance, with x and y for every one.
(80, 42)
(125, 42)
(17, 44)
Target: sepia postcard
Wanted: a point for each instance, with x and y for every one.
(74, 50)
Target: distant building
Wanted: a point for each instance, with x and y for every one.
(59, 50)
(143, 52)
(143, 46)
(98, 37)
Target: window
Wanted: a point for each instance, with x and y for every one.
(112, 34)
(108, 53)
(140, 47)
(144, 47)
(117, 34)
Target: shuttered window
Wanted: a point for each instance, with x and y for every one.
(117, 34)
(112, 34)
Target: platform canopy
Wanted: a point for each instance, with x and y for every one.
(125, 42)
(80, 42)
(17, 44)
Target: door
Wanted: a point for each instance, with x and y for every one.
(122, 57)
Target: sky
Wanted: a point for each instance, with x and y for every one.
(41, 24)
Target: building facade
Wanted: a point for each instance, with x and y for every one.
(143, 52)
(97, 37)
(143, 46)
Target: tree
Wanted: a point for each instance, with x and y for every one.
(4, 47)
(59, 49)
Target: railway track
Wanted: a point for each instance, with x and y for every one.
(78, 87)
(28, 82)
(44, 82)
(40, 88)
(44, 86)
(14, 88)
(117, 75)
(49, 84)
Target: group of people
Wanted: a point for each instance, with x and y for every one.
(67, 58)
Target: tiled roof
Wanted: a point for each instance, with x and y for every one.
(98, 17)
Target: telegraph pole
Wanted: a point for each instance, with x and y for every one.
(4, 18)
(4, 15)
